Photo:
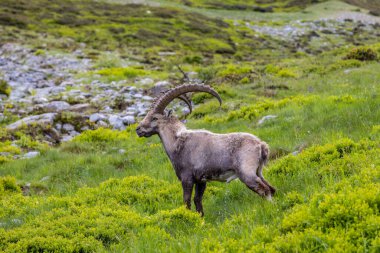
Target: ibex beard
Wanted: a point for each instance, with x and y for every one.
(199, 156)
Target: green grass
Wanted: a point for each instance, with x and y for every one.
(327, 197)
(87, 196)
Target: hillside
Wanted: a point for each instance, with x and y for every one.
(77, 76)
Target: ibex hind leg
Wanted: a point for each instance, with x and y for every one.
(263, 159)
(248, 175)
(260, 175)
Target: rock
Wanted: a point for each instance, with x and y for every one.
(55, 106)
(96, 117)
(122, 151)
(57, 90)
(84, 128)
(73, 133)
(58, 126)
(130, 113)
(185, 111)
(107, 109)
(81, 108)
(346, 71)
(141, 114)
(44, 178)
(116, 122)
(265, 118)
(66, 138)
(101, 123)
(30, 154)
(42, 120)
(159, 87)
(146, 81)
(147, 98)
(68, 127)
(128, 120)
(39, 100)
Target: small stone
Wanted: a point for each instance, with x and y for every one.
(42, 120)
(122, 151)
(55, 106)
(66, 138)
(44, 178)
(31, 154)
(81, 108)
(73, 133)
(96, 117)
(39, 100)
(116, 122)
(58, 126)
(265, 118)
(185, 111)
(101, 123)
(84, 128)
(146, 81)
(68, 127)
(128, 120)
(107, 109)
(147, 98)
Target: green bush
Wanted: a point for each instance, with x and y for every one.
(127, 72)
(101, 135)
(362, 54)
(5, 88)
(8, 185)
(322, 157)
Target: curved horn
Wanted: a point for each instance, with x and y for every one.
(185, 99)
(165, 99)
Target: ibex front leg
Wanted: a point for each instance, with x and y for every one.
(199, 190)
(187, 186)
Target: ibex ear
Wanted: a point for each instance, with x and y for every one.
(169, 113)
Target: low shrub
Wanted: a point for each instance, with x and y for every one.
(5, 88)
(127, 72)
(328, 158)
(8, 185)
(101, 135)
(362, 54)
(253, 111)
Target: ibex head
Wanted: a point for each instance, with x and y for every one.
(156, 116)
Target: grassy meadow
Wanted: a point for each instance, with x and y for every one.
(86, 195)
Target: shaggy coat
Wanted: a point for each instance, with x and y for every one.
(199, 156)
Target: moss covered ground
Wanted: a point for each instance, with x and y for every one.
(87, 196)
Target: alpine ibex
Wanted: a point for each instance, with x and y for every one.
(199, 156)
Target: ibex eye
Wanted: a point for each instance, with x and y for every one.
(154, 119)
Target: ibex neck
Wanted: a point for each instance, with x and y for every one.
(169, 136)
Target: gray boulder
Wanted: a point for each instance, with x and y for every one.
(96, 117)
(68, 127)
(31, 154)
(55, 106)
(116, 122)
(42, 120)
(128, 120)
(266, 118)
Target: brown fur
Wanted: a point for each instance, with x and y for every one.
(199, 156)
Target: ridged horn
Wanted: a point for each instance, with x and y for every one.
(185, 99)
(173, 93)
